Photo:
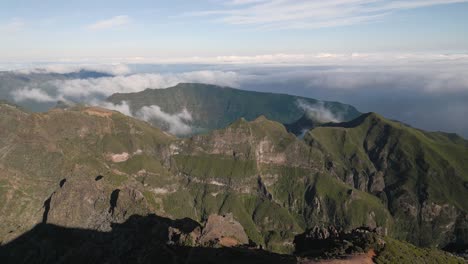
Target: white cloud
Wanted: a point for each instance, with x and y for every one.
(13, 26)
(447, 79)
(89, 90)
(416, 4)
(245, 2)
(32, 94)
(431, 73)
(447, 82)
(176, 122)
(93, 91)
(82, 88)
(298, 59)
(382, 81)
(319, 112)
(110, 23)
(282, 14)
(280, 59)
(114, 69)
(123, 107)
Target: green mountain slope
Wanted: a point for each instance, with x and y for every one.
(402, 252)
(50, 162)
(275, 184)
(421, 176)
(63, 167)
(88, 168)
(214, 107)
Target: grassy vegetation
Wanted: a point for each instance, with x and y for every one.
(149, 196)
(180, 204)
(215, 166)
(274, 193)
(352, 207)
(116, 179)
(236, 204)
(141, 162)
(402, 252)
(417, 167)
(290, 186)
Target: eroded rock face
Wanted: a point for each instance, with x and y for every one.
(256, 140)
(118, 158)
(85, 203)
(223, 231)
(329, 242)
(179, 237)
(321, 233)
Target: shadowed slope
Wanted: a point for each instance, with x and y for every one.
(155, 239)
(138, 240)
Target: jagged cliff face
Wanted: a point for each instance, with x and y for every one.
(62, 167)
(274, 183)
(90, 167)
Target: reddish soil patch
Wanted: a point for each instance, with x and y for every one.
(352, 259)
(96, 111)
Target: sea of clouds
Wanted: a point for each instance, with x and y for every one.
(429, 92)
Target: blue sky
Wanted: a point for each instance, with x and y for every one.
(33, 30)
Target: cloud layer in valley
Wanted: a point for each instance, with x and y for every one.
(87, 89)
(429, 92)
(93, 91)
(113, 69)
(177, 124)
(32, 94)
(319, 112)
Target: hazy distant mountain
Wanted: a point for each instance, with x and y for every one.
(214, 107)
(87, 168)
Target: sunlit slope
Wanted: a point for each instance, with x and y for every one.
(421, 176)
(88, 167)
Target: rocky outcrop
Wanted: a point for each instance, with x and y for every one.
(155, 239)
(223, 231)
(328, 242)
(86, 203)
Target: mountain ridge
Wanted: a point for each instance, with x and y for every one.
(88, 167)
(426, 168)
(214, 107)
